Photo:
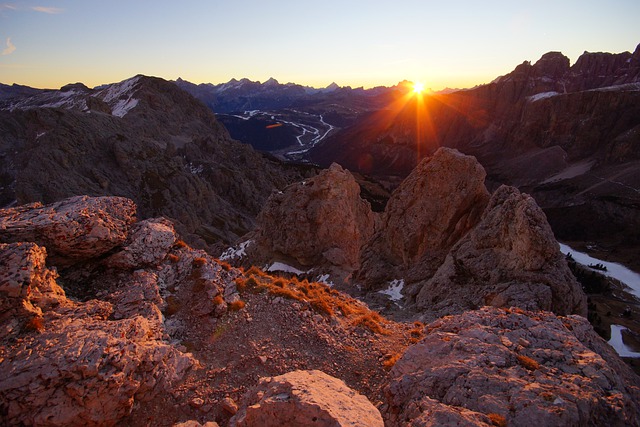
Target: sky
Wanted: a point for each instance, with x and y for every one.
(452, 43)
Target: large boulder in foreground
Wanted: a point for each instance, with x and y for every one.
(305, 398)
(321, 221)
(511, 258)
(437, 204)
(511, 367)
(72, 230)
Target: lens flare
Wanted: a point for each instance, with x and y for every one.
(418, 87)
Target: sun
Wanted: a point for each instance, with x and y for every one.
(418, 87)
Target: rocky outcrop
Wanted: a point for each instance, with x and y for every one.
(426, 215)
(320, 221)
(72, 230)
(305, 398)
(70, 363)
(511, 258)
(510, 367)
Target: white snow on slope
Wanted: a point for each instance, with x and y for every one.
(394, 291)
(617, 271)
(618, 344)
(543, 95)
(119, 96)
(236, 252)
(278, 266)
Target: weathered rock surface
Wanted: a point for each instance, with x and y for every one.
(319, 221)
(305, 398)
(148, 244)
(511, 258)
(72, 230)
(72, 363)
(522, 368)
(440, 201)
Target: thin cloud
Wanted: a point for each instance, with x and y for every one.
(8, 6)
(10, 47)
(45, 9)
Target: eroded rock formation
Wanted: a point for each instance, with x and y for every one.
(440, 201)
(511, 258)
(320, 221)
(513, 367)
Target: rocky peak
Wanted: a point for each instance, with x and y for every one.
(552, 65)
(440, 201)
(511, 258)
(320, 221)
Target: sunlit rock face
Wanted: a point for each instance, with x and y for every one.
(432, 209)
(305, 398)
(511, 258)
(320, 221)
(518, 367)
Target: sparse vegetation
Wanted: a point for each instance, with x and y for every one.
(318, 296)
(173, 258)
(497, 420)
(391, 360)
(528, 362)
(35, 324)
(199, 262)
(180, 244)
(217, 300)
(236, 305)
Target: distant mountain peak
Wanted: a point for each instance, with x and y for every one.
(271, 82)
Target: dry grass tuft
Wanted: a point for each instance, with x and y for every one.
(236, 305)
(497, 420)
(320, 297)
(173, 258)
(180, 244)
(199, 262)
(528, 362)
(35, 324)
(390, 361)
(217, 300)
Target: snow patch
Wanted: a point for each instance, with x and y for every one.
(239, 252)
(325, 278)
(394, 291)
(279, 266)
(119, 96)
(617, 271)
(618, 344)
(543, 95)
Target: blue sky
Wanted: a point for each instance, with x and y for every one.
(358, 43)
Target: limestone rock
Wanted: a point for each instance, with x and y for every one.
(432, 209)
(27, 287)
(305, 398)
(319, 221)
(72, 230)
(511, 258)
(147, 244)
(526, 368)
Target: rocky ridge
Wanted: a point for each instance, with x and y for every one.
(161, 325)
(144, 139)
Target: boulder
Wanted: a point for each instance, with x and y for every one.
(319, 221)
(511, 258)
(148, 244)
(512, 367)
(305, 398)
(72, 230)
(437, 204)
